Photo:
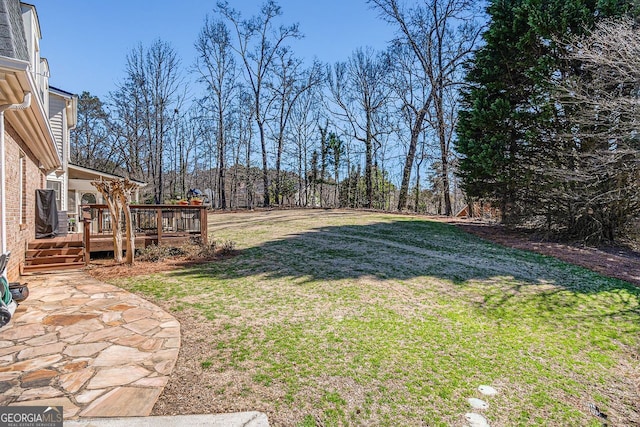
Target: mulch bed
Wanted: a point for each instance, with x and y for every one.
(104, 269)
(617, 262)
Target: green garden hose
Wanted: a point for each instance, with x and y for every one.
(4, 288)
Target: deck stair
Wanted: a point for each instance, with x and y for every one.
(53, 255)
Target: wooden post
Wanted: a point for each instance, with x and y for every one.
(125, 199)
(129, 233)
(99, 220)
(86, 221)
(159, 224)
(204, 229)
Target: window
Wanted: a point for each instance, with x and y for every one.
(88, 199)
(71, 201)
(57, 187)
(22, 187)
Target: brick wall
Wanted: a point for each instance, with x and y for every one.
(19, 234)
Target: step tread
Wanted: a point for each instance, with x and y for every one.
(53, 267)
(54, 245)
(39, 254)
(54, 260)
(60, 256)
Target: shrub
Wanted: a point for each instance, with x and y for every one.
(191, 250)
(155, 253)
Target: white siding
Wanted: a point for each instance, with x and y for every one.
(56, 119)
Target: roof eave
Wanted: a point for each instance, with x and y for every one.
(99, 174)
(32, 124)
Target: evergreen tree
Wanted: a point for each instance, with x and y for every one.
(508, 127)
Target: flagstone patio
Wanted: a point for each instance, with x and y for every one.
(93, 348)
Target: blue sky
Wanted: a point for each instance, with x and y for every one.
(86, 41)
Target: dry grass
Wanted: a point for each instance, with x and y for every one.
(350, 318)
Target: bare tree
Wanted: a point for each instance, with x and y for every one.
(216, 67)
(358, 88)
(324, 151)
(128, 129)
(245, 113)
(414, 93)
(336, 148)
(258, 41)
(146, 101)
(595, 182)
(92, 142)
(288, 84)
(304, 119)
(435, 37)
(188, 136)
(117, 193)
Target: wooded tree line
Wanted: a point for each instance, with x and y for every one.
(259, 126)
(504, 104)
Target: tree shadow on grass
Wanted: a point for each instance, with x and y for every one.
(414, 249)
(516, 309)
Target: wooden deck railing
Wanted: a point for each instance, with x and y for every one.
(158, 224)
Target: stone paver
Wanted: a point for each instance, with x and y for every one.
(90, 347)
(123, 402)
(240, 419)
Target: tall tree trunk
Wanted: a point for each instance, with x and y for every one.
(323, 161)
(130, 235)
(278, 187)
(300, 179)
(265, 170)
(444, 154)
(247, 186)
(336, 193)
(221, 165)
(411, 154)
(368, 172)
(122, 190)
(418, 166)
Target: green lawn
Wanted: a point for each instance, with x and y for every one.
(349, 318)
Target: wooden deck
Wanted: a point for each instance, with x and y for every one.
(71, 237)
(104, 242)
(162, 225)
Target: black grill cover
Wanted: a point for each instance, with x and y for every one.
(46, 214)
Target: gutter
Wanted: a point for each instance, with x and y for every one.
(26, 102)
(47, 153)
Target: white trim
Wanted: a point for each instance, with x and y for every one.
(34, 121)
(22, 159)
(99, 174)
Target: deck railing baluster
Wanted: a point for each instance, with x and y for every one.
(153, 224)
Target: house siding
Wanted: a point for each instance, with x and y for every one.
(18, 235)
(56, 114)
(57, 121)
